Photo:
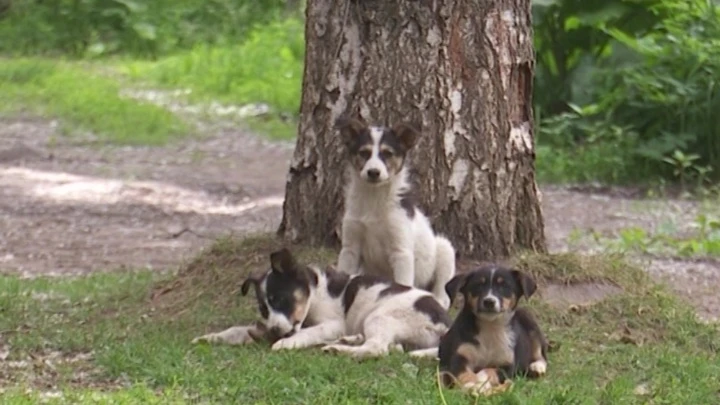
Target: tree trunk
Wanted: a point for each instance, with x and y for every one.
(462, 70)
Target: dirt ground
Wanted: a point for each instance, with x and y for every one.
(69, 205)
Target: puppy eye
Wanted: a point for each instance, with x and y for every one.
(365, 154)
(386, 154)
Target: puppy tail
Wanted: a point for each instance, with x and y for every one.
(444, 268)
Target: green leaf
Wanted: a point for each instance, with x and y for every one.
(145, 31)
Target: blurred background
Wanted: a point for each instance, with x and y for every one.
(625, 90)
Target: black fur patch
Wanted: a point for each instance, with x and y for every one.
(394, 289)
(260, 296)
(336, 282)
(407, 202)
(280, 288)
(390, 138)
(429, 306)
(361, 139)
(362, 281)
(280, 292)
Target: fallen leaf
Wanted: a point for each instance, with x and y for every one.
(578, 309)
(498, 389)
(627, 336)
(642, 390)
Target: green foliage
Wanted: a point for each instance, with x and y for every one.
(267, 67)
(671, 96)
(137, 27)
(704, 242)
(571, 44)
(645, 75)
(85, 101)
(576, 149)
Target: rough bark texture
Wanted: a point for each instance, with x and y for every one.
(462, 71)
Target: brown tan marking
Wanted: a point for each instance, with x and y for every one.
(357, 162)
(473, 300)
(467, 377)
(394, 164)
(493, 376)
(300, 304)
(509, 302)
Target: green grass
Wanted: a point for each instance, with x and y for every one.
(265, 68)
(83, 101)
(642, 336)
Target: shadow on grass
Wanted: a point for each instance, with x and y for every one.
(637, 346)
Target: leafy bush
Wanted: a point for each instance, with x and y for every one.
(572, 44)
(647, 92)
(572, 148)
(142, 28)
(671, 96)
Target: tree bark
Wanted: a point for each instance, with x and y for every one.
(462, 71)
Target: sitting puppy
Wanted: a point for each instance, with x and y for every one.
(383, 231)
(363, 316)
(491, 340)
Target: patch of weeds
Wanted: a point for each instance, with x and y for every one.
(641, 337)
(704, 241)
(83, 101)
(266, 68)
(570, 268)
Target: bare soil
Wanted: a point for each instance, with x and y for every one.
(72, 205)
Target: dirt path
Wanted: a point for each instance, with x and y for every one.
(69, 206)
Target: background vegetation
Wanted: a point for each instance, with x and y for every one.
(626, 90)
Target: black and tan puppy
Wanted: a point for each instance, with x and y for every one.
(491, 340)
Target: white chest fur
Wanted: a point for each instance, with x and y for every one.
(495, 347)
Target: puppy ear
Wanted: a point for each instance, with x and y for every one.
(251, 281)
(454, 285)
(526, 282)
(349, 128)
(282, 261)
(407, 134)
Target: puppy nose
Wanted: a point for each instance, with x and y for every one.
(488, 303)
(373, 174)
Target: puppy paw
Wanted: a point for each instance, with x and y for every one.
(352, 340)
(209, 338)
(334, 348)
(287, 344)
(538, 368)
(237, 335)
(425, 353)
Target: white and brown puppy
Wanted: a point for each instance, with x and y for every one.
(383, 231)
(363, 315)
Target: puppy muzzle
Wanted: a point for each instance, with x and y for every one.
(488, 305)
